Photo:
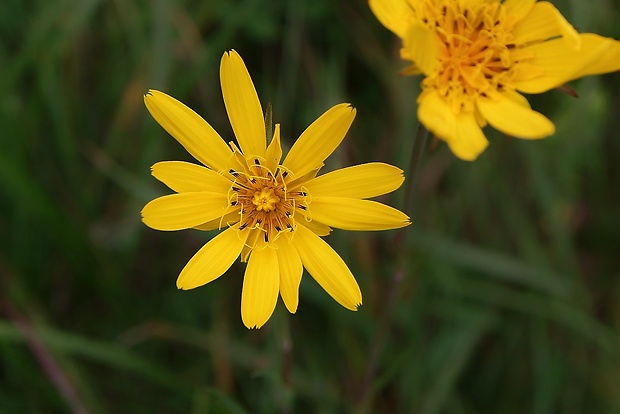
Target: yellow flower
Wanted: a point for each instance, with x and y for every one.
(273, 212)
(477, 55)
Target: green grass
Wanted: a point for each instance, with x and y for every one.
(510, 299)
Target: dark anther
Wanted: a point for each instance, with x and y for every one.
(284, 174)
(233, 172)
(259, 221)
(301, 206)
(266, 238)
(256, 161)
(288, 214)
(243, 226)
(233, 203)
(278, 228)
(235, 188)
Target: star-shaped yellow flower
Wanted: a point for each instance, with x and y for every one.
(477, 55)
(272, 211)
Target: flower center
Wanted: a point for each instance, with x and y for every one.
(475, 50)
(263, 201)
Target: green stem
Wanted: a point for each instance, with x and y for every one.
(285, 349)
(414, 165)
(401, 242)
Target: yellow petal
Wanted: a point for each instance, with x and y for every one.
(184, 177)
(184, 210)
(436, 115)
(261, 285)
(421, 44)
(355, 214)
(254, 237)
(242, 105)
(274, 151)
(518, 9)
(213, 259)
(461, 132)
(319, 140)
(290, 273)
(517, 98)
(468, 139)
(298, 181)
(187, 127)
(525, 71)
(393, 14)
(359, 181)
(561, 63)
(544, 22)
(514, 119)
(327, 268)
(314, 226)
(225, 221)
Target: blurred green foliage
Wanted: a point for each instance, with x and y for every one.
(511, 298)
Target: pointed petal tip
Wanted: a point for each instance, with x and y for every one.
(346, 105)
(230, 54)
(150, 94)
(353, 308)
(253, 324)
(182, 286)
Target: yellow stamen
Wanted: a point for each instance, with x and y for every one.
(265, 200)
(475, 45)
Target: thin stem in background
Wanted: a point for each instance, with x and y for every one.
(414, 166)
(44, 356)
(401, 242)
(285, 348)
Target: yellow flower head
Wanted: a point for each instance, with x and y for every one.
(477, 55)
(273, 211)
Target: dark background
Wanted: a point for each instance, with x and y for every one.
(511, 299)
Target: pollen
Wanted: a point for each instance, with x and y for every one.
(265, 200)
(475, 51)
(262, 200)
